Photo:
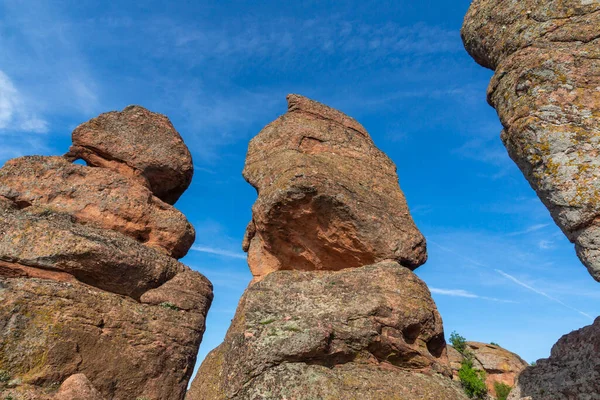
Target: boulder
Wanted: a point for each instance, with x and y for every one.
(371, 333)
(546, 57)
(97, 197)
(327, 197)
(500, 365)
(137, 143)
(108, 260)
(571, 372)
(50, 330)
(77, 387)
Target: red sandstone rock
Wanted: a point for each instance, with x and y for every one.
(138, 143)
(98, 197)
(77, 387)
(332, 335)
(327, 197)
(500, 365)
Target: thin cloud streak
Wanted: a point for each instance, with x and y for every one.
(531, 288)
(530, 229)
(219, 252)
(464, 293)
(514, 280)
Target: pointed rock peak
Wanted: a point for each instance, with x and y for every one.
(298, 103)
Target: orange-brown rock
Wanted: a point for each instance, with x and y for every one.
(39, 238)
(98, 197)
(327, 197)
(50, 330)
(363, 333)
(138, 143)
(500, 365)
(77, 387)
(546, 90)
(571, 372)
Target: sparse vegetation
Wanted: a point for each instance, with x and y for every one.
(170, 306)
(502, 390)
(472, 380)
(267, 321)
(4, 376)
(458, 342)
(533, 363)
(494, 344)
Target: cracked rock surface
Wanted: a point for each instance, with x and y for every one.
(546, 90)
(93, 302)
(327, 197)
(332, 335)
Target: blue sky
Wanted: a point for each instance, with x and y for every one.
(499, 268)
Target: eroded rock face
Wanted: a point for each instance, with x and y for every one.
(571, 372)
(327, 197)
(332, 335)
(98, 197)
(93, 303)
(546, 90)
(500, 365)
(138, 143)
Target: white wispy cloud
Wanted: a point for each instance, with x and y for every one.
(464, 293)
(219, 252)
(511, 278)
(15, 113)
(541, 293)
(529, 229)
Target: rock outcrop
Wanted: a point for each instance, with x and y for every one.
(93, 303)
(546, 90)
(321, 320)
(328, 199)
(139, 144)
(500, 365)
(571, 372)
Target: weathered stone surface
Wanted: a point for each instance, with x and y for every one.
(546, 90)
(39, 238)
(500, 365)
(138, 143)
(50, 330)
(77, 387)
(332, 335)
(99, 197)
(572, 371)
(327, 197)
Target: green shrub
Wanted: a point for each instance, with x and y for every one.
(502, 390)
(472, 380)
(4, 376)
(533, 363)
(494, 344)
(170, 306)
(458, 342)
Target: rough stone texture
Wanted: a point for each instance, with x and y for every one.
(500, 365)
(371, 333)
(39, 238)
(327, 197)
(77, 387)
(138, 143)
(93, 303)
(572, 372)
(50, 330)
(546, 90)
(99, 197)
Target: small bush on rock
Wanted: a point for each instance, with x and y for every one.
(502, 390)
(458, 342)
(472, 380)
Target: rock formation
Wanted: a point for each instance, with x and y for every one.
(500, 365)
(571, 372)
(327, 197)
(93, 303)
(335, 311)
(546, 90)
